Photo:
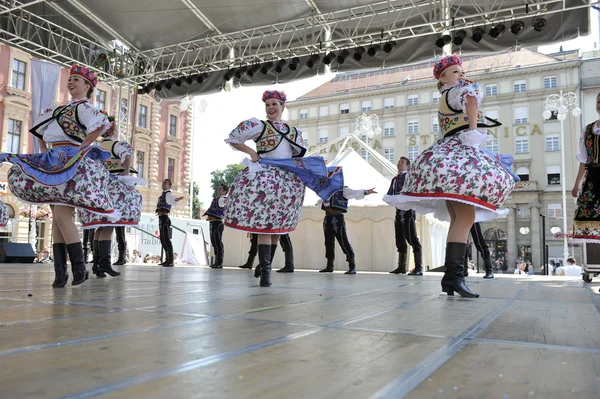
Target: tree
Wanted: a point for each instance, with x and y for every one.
(224, 176)
(196, 204)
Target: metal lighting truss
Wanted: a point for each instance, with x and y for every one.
(321, 32)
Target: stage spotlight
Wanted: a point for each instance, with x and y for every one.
(294, 63)
(478, 34)
(189, 80)
(328, 58)
(440, 42)
(374, 50)
(312, 60)
(341, 58)
(229, 74)
(158, 87)
(169, 84)
(266, 67)
(517, 27)
(142, 91)
(253, 69)
(280, 65)
(358, 53)
(389, 46)
(539, 24)
(459, 37)
(497, 31)
(199, 78)
(151, 86)
(178, 82)
(240, 72)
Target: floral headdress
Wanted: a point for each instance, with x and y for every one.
(445, 63)
(85, 72)
(278, 95)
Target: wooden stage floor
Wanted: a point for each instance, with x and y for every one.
(193, 332)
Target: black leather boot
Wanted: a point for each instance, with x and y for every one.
(86, 251)
(488, 268)
(248, 264)
(95, 265)
(453, 279)
(60, 265)
(218, 262)
(466, 266)
(351, 267)
(289, 262)
(402, 258)
(80, 273)
(122, 260)
(104, 258)
(329, 268)
(418, 270)
(264, 258)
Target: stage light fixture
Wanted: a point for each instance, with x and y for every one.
(178, 82)
(189, 80)
(240, 72)
(478, 34)
(158, 87)
(151, 86)
(373, 50)
(389, 46)
(229, 74)
(441, 41)
(517, 27)
(280, 65)
(459, 37)
(358, 53)
(341, 58)
(497, 31)
(266, 67)
(199, 78)
(329, 58)
(253, 69)
(294, 63)
(539, 24)
(312, 60)
(169, 84)
(142, 90)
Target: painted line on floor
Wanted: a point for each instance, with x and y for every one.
(536, 345)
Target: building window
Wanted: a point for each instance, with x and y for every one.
(413, 152)
(344, 109)
(413, 99)
(550, 82)
(521, 145)
(389, 154)
(171, 169)
(413, 126)
(552, 142)
(435, 96)
(523, 173)
(389, 129)
(521, 114)
(142, 117)
(388, 102)
(344, 130)
(492, 145)
(305, 143)
(140, 163)
(13, 140)
(553, 174)
(366, 156)
(523, 213)
(18, 74)
(492, 113)
(491, 90)
(554, 210)
(124, 110)
(172, 126)
(366, 105)
(520, 86)
(101, 99)
(324, 110)
(323, 135)
(435, 124)
(303, 114)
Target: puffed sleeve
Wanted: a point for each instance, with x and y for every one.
(122, 150)
(92, 118)
(457, 96)
(300, 141)
(39, 126)
(582, 153)
(353, 194)
(247, 130)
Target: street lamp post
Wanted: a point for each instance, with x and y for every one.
(560, 103)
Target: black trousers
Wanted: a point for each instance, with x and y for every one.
(334, 228)
(164, 229)
(479, 241)
(121, 241)
(406, 231)
(88, 238)
(284, 240)
(216, 237)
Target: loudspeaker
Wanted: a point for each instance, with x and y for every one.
(16, 252)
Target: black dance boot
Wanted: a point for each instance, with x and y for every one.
(488, 268)
(218, 262)
(466, 266)
(104, 259)
(122, 260)
(95, 265)
(402, 258)
(453, 279)
(248, 264)
(329, 268)
(351, 267)
(289, 262)
(86, 251)
(264, 258)
(418, 270)
(80, 273)
(60, 265)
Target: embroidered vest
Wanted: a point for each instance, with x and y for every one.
(162, 204)
(113, 164)
(67, 118)
(215, 210)
(454, 120)
(592, 144)
(337, 201)
(397, 184)
(270, 138)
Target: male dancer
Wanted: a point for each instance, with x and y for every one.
(483, 249)
(334, 226)
(214, 215)
(405, 226)
(163, 208)
(288, 250)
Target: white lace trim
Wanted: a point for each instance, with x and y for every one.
(474, 138)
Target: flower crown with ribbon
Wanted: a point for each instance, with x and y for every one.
(278, 95)
(85, 72)
(445, 63)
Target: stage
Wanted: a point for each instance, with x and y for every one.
(193, 332)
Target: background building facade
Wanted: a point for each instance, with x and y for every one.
(159, 131)
(515, 86)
